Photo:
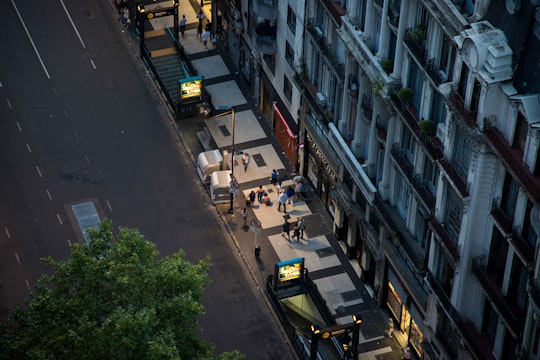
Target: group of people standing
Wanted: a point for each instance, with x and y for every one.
(298, 230)
(203, 36)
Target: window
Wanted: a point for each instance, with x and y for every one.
(420, 230)
(520, 136)
(431, 173)
(408, 144)
(289, 54)
(446, 59)
(509, 195)
(416, 82)
(438, 110)
(287, 88)
(489, 323)
(462, 154)
(463, 78)
(444, 273)
(517, 289)
(291, 20)
(454, 212)
(403, 195)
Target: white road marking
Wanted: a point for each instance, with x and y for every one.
(17, 257)
(49, 194)
(69, 243)
(19, 126)
(28, 148)
(7, 233)
(109, 205)
(87, 160)
(9, 104)
(31, 40)
(39, 171)
(73, 24)
(27, 285)
(59, 219)
(93, 64)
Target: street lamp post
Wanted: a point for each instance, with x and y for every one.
(233, 180)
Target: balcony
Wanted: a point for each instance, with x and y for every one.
(433, 72)
(512, 318)
(424, 193)
(335, 10)
(309, 93)
(513, 159)
(523, 249)
(431, 144)
(457, 104)
(402, 240)
(415, 39)
(477, 344)
(454, 178)
(265, 37)
(502, 221)
(319, 40)
(266, 9)
(444, 238)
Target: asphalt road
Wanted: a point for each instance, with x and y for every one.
(80, 120)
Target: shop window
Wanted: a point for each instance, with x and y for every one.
(291, 20)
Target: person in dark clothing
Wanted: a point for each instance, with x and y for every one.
(273, 177)
(296, 233)
(286, 230)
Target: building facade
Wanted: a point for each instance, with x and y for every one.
(418, 124)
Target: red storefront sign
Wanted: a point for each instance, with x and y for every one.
(285, 136)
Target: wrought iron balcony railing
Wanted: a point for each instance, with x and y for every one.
(458, 105)
(444, 239)
(457, 180)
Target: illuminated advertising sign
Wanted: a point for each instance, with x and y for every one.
(191, 87)
(290, 270)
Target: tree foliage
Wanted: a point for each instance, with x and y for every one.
(113, 299)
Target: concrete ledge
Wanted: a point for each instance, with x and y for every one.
(205, 138)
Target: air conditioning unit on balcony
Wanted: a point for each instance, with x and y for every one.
(321, 99)
(318, 31)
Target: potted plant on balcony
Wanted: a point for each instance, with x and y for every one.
(405, 94)
(418, 32)
(427, 127)
(388, 66)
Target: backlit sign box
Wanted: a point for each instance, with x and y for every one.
(191, 87)
(290, 270)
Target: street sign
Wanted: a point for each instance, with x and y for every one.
(234, 191)
(234, 184)
(255, 222)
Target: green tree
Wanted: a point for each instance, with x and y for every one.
(113, 299)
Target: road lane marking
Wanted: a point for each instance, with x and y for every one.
(7, 233)
(73, 24)
(49, 194)
(59, 219)
(19, 126)
(27, 284)
(17, 257)
(39, 171)
(109, 205)
(1, 84)
(9, 104)
(87, 160)
(28, 148)
(69, 243)
(93, 65)
(31, 40)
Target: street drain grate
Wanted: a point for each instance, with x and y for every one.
(324, 252)
(259, 160)
(224, 130)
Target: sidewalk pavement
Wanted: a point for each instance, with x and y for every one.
(337, 277)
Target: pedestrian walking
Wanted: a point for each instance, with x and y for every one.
(260, 194)
(245, 156)
(126, 16)
(290, 194)
(205, 36)
(245, 216)
(301, 227)
(273, 177)
(296, 234)
(183, 22)
(200, 16)
(286, 230)
(252, 196)
(282, 200)
(214, 40)
(199, 31)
